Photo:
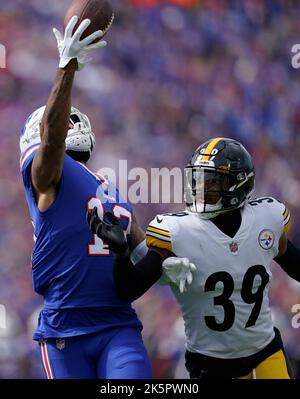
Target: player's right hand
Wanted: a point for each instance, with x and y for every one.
(70, 46)
(178, 271)
(112, 234)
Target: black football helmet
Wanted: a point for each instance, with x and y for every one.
(219, 178)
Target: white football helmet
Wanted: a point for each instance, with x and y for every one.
(79, 139)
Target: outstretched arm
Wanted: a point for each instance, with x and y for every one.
(132, 281)
(136, 235)
(48, 161)
(47, 164)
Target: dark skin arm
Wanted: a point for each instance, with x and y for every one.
(136, 235)
(48, 162)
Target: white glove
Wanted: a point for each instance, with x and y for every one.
(71, 47)
(178, 271)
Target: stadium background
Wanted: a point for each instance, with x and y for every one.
(175, 73)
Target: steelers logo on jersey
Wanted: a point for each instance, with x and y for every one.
(266, 239)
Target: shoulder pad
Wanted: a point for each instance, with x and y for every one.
(158, 233)
(279, 210)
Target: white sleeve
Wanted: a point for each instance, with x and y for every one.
(158, 233)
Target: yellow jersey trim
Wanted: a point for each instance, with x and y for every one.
(159, 231)
(157, 242)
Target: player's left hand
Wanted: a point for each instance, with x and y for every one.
(178, 271)
(112, 234)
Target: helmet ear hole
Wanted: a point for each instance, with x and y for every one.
(80, 137)
(74, 119)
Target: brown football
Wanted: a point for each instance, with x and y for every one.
(98, 11)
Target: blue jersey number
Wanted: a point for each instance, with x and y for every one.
(98, 247)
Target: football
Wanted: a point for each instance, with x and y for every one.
(98, 11)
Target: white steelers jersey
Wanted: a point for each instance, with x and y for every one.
(226, 308)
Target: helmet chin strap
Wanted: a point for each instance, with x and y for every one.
(207, 211)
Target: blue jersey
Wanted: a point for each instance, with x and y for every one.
(72, 268)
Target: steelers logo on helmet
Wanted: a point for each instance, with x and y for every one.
(266, 239)
(219, 178)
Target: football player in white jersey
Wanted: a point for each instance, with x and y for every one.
(232, 241)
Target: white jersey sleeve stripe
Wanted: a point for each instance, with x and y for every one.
(27, 154)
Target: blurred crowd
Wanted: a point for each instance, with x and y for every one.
(170, 78)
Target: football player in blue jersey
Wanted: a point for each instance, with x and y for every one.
(84, 329)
